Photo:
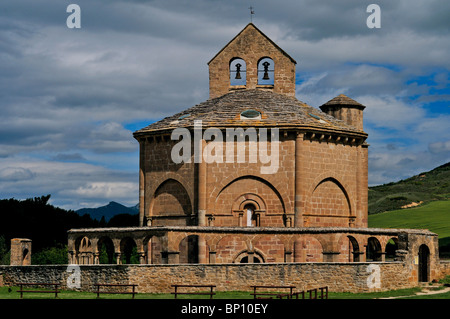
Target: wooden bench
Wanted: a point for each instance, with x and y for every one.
(211, 293)
(55, 290)
(277, 294)
(133, 292)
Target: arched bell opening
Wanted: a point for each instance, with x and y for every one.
(238, 72)
(266, 71)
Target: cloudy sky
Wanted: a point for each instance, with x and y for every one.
(71, 98)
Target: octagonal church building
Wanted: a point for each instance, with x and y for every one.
(253, 175)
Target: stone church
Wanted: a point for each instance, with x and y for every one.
(253, 175)
(321, 171)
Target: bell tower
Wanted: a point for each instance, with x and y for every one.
(251, 61)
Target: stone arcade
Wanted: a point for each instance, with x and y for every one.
(313, 209)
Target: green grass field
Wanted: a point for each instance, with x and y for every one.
(11, 293)
(434, 216)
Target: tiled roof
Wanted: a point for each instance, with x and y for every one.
(277, 110)
(343, 100)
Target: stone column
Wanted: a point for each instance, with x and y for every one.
(96, 258)
(173, 257)
(330, 256)
(71, 257)
(364, 188)
(202, 188)
(142, 257)
(212, 257)
(241, 217)
(298, 251)
(288, 256)
(298, 214)
(118, 260)
(298, 218)
(202, 250)
(250, 257)
(258, 219)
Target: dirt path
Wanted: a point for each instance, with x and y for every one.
(425, 291)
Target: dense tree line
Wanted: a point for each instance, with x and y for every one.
(46, 226)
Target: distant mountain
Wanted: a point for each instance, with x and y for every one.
(419, 189)
(108, 211)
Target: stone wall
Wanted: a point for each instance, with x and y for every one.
(445, 268)
(339, 277)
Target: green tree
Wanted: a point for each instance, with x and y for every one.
(4, 252)
(50, 256)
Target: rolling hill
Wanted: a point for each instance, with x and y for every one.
(419, 202)
(423, 188)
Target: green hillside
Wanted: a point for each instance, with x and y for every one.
(424, 187)
(434, 216)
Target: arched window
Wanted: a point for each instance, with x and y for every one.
(128, 249)
(105, 249)
(391, 247)
(373, 252)
(246, 257)
(188, 249)
(353, 249)
(250, 216)
(84, 251)
(266, 71)
(238, 72)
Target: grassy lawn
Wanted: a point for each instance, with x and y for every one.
(11, 293)
(434, 216)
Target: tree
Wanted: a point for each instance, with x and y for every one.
(4, 252)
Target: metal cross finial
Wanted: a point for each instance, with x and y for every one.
(251, 13)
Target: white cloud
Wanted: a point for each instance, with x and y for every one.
(109, 138)
(104, 190)
(391, 112)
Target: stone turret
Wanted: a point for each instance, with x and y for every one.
(346, 109)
